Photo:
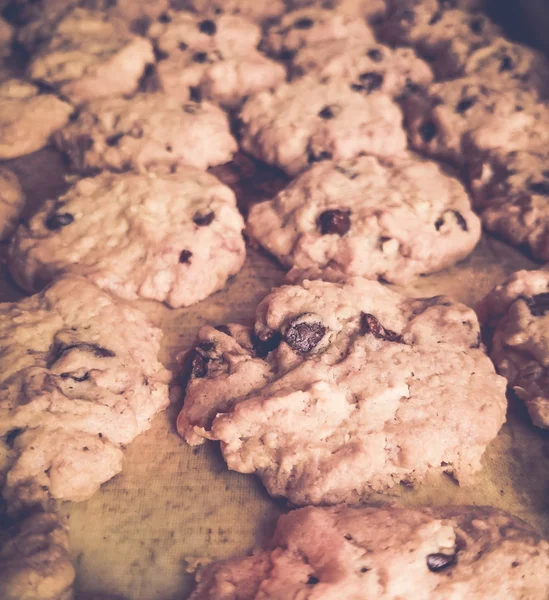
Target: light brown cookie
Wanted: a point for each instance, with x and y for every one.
(12, 202)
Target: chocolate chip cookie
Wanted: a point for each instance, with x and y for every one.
(371, 66)
(515, 315)
(308, 121)
(80, 379)
(300, 28)
(171, 237)
(386, 553)
(91, 55)
(389, 219)
(35, 561)
(12, 202)
(439, 31)
(28, 117)
(214, 58)
(511, 192)
(147, 129)
(345, 389)
(452, 119)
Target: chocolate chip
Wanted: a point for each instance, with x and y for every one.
(183, 46)
(208, 27)
(84, 377)
(185, 256)
(428, 131)
(459, 218)
(506, 64)
(304, 23)
(407, 16)
(206, 346)
(540, 187)
(287, 55)
(371, 81)
(195, 94)
(335, 221)
(438, 562)
(327, 112)
(191, 108)
(369, 324)
(199, 366)
(164, 18)
(263, 347)
(538, 304)
(435, 18)
(12, 435)
(312, 157)
(545, 174)
(464, 105)
(58, 221)
(303, 336)
(313, 580)
(375, 54)
(113, 140)
(160, 54)
(203, 219)
(476, 26)
(200, 57)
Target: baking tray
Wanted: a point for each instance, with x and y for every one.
(174, 506)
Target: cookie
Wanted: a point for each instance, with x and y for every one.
(80, 380)
(371, 10)
(147, 129)
(34, 560)
(12, 202)
(438, 31)
(28, 117)
(371, 66)
(91, 55)
(174, 237)
(300, 28)
(508, 62)
(341, 390)
(452, 119)
(255, 10)
(214, 58)
(309, 121)
(511, 192)
(515, 315)
(386, 553)
(392, 220)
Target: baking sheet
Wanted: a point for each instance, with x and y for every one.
(174, 506)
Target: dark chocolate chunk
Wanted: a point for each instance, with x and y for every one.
(160, 54)
(464, 105)
(540, 187)
(437, 16)
(208, 27)
(199, 365)
(203, 219)
(538, 304)
(313, 580)
(460, 220)
(506, 64)
(185, 256)
(164, 18)
(223, 329)
(371, 81)
(200, 57)
(476, 26)
(328, 112)
(438, 562)
(335, 221)
(58, 221)
(12, 435)
(304, 336)
(369, 324)
(183, 46)
(323, 155)
(304, 23)
(113, 140)
(375, 54)
(428, 131)
(84, 377)
(195, 95)
(263, 347)
(287, 55)
(206, 346)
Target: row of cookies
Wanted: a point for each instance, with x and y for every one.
(295, 335)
